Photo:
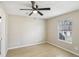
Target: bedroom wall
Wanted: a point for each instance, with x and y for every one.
(25, 31)
(52, 32)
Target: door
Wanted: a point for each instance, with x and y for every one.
(2, 38)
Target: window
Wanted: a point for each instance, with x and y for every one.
(65, 31)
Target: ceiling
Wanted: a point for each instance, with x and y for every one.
(57, 7)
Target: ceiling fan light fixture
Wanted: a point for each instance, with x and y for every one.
(34, 11)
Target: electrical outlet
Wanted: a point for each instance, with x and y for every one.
(76, 48)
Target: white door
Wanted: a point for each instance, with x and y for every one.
(2, 38)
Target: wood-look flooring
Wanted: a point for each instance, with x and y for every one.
(42, 50)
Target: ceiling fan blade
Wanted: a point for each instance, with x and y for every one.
(40, 13)
(32, 3)
(43, 8)
(31, 13)
(25, 9)
(37, 6)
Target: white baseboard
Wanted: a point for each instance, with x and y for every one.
(25, 45)
(63, 48)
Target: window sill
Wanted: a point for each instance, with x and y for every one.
(65, 41)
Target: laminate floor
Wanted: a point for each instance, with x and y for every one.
(41, 50)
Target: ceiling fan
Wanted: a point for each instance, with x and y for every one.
(35, 9)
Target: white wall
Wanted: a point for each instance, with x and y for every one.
(25, 31)
(52, 32)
